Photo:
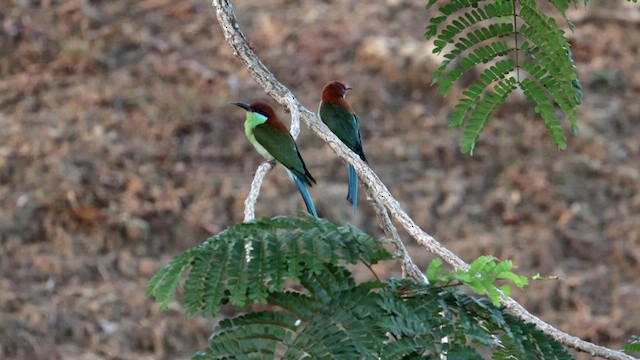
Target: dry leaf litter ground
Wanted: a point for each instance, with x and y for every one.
(119, 148)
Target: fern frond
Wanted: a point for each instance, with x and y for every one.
(478, 120)
(237, 279)
(563, 5)
(252, 335)
(334, 280)
(332, 316)
(482, 54)
(461, 352)
(472, 17)
(244, 263)
(522, 340)
(475, 90)
(350, 307)
(552, 52)
(419, 319)
(164, 283)
(406, 348)
(335, 331)
(551, 46)
(487, 105)
(544, 107)
(340, 326)
(478, 34)
(399, 319)
(323, 339)
(463, 318)
(207, 288)
(633, 345)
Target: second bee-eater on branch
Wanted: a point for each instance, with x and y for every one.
(272, 140)
(338, 115)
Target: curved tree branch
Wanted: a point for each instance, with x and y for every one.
(409, 268)
(281, 94)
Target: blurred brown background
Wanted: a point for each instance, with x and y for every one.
(119, 148)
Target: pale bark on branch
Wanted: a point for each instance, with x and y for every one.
(386, 206)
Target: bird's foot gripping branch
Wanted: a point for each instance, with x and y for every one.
(298, 267)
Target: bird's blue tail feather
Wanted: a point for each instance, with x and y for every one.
(352, 194)
(305, 195)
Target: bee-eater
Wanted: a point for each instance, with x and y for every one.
(338, 115)
(272, 140)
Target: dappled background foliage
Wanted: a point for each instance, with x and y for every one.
(119, 149)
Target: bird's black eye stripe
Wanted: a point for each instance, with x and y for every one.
(261, 112)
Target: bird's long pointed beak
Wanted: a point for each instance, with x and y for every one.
(243, 105)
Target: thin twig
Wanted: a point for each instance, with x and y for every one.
(275, 89)
(256, 184)
(409, 268)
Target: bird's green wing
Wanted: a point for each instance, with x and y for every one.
(344, 124)
(281, 146)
